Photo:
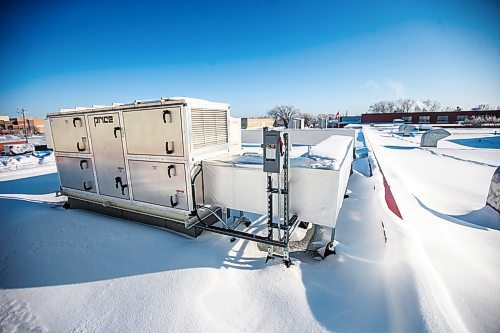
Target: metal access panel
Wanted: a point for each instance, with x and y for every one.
(159, 183)
(106, 136)
(272, 151)
(69, 134)
(154, 132)
(76, 173)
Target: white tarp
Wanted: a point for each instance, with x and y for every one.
(316, 193)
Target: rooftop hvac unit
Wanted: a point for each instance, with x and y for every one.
(138, 157)
(323, 123)
(297, 123)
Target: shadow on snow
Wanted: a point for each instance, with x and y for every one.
(42, 244)
(485, 142)
(44, 184)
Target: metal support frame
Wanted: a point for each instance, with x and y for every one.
(286, 199)
(288, 225)
(270, 214)
(280, 238)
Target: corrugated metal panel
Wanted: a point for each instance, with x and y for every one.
(209, 128)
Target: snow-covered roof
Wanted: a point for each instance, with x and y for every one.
(193, 102)
(333, 148)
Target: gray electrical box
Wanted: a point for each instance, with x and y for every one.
(272, 151)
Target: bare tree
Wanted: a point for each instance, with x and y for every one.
(383, 107)
(390, 106)
(482, 121)
(377, 108)
(283, 114)
(420, 107)
(432, 106)
(482, 107)
(404, 105)
(426, 106)
(309, 119)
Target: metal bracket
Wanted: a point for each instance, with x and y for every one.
(78, 146)
(169, 114)
(79, 120)
(85, 186)
(171, 150)
(116, 129)
(82, 163)
(172, 202)
(169, 168)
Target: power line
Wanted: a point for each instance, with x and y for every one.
(23, 111)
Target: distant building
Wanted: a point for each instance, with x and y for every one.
(442, 117)
(322, 122)
(346, 120)
(256, 122)
(37, 124)
(342, 121)
(8, 127)
(297, 123)
(16, 126)
(4, 118)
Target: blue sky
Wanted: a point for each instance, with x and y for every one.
(321, 56)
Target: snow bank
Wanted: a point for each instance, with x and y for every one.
(449, 239)
(76, 271)
(334, 148)
(26, 162)
(71, 270)
(34, 139)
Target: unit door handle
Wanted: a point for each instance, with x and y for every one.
(174, 173)
(118, 181)
(78, 146)
(171, 144)
(165, 113)
(85, 187)
(172, 202)
(123, 188)
(117, 129)
(79, 120)
(82, 163)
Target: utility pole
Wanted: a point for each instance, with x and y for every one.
(23, 111)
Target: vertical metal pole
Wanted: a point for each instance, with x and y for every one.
(286, 201)
(269, 214)
(23, 112)
(224, 216)
(279, 207)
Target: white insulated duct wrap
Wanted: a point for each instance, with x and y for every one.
(316, 194)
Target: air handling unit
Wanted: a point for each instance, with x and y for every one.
(136, 160)
(176, 163)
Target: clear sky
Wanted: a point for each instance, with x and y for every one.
(321, 56)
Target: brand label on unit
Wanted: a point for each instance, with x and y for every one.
(103, 120)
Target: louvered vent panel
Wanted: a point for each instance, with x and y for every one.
(209, 128)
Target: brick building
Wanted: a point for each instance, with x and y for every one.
(442, 117)
(256, 122)
(16, 125)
